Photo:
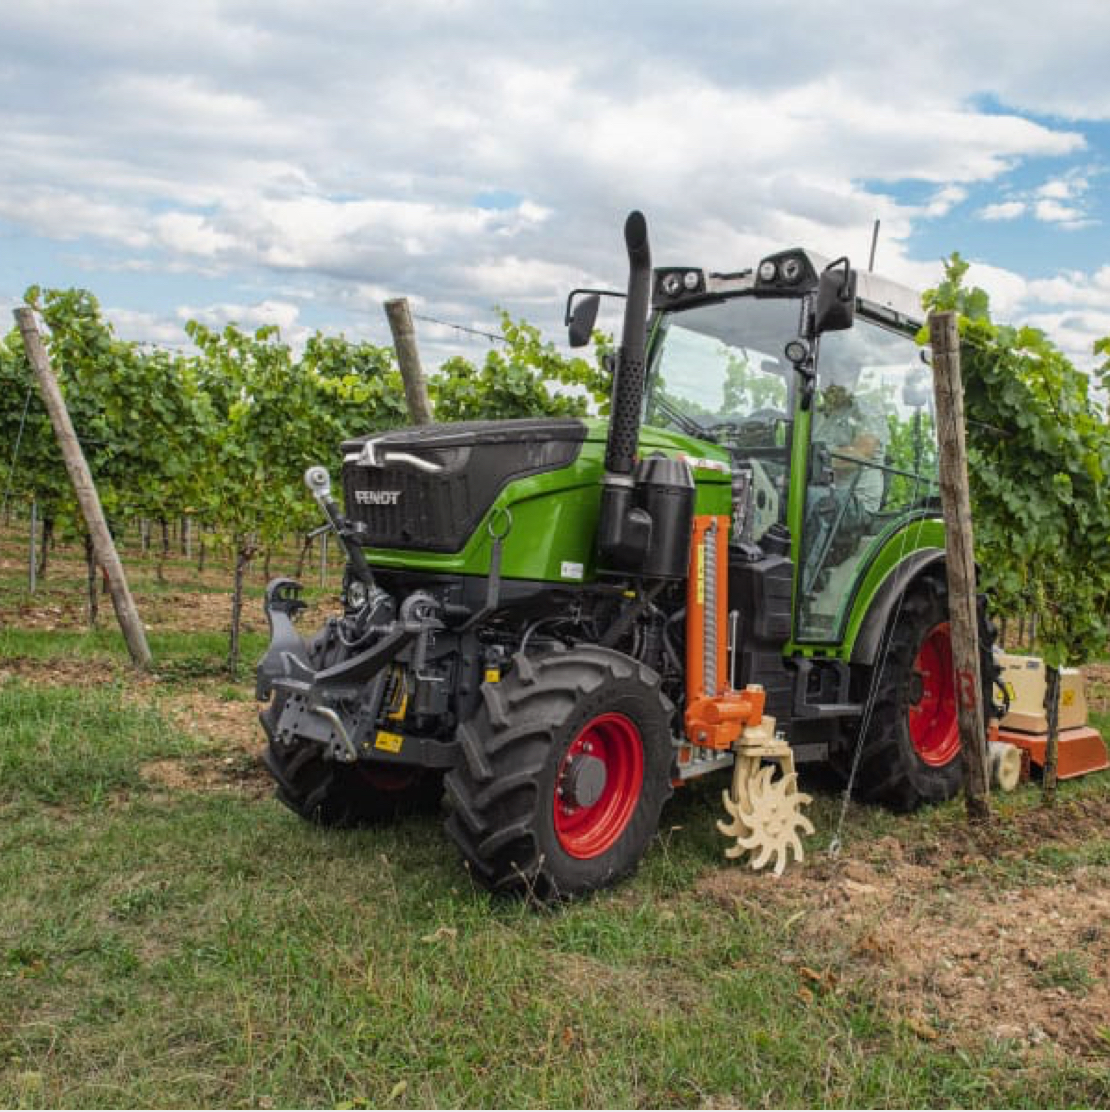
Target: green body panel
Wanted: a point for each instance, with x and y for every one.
(887, 553)
(552, 537)
(554, 515)
(796, 504)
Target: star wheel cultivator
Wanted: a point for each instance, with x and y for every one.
(555, 624)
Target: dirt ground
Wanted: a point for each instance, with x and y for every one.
(927, 928)
(923, 927)
(931, 931)
(179, 611)
(228, 725)
(188, 601)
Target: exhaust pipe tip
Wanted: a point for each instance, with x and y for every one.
(636, 237)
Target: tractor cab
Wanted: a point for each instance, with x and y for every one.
(828, 418)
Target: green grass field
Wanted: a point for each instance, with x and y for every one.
(171, 936)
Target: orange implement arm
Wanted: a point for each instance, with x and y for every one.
(715, 714)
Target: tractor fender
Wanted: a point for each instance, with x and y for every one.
(865, 648)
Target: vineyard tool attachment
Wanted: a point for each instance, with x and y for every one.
(1080, 746)
(764, 804)
(551, 625)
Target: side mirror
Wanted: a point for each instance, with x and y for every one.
(581, 320)
(836, 298)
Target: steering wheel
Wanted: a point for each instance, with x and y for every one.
(760, 425)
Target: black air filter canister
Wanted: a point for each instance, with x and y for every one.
(665, 490)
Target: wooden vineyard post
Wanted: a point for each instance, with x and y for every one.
(956, 503)
(408, 358)
(32, 555)
(83, 486)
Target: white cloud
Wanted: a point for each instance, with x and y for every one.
(1074, 288)
(146, 328)
(1075, 332)
(67, 214)
(944, 200)
(1003, 210)
(189, 234)
(1056, 201)
(250, 317)
(1053, 212)
(1009, 292)
(1058, 189)
(1072, 308)
(332, 155)
(528, 279)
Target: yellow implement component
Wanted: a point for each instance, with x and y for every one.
(765, 810)
(1026, 682)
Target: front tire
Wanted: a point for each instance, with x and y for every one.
(566, 767)
(911, 754)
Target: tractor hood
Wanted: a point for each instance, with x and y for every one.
(428, 488)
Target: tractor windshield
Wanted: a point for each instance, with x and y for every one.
(718, 371)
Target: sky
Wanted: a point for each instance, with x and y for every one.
(297, 163)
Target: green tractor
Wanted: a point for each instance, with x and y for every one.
(556, 622)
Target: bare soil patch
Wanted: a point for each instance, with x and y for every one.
(240, 775)
(229, 726)
(955, 950)
(186, 600)
(70, 673)
(232, 730)
(1098, 686)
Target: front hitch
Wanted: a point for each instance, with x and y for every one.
(287, 653)
(336, 705)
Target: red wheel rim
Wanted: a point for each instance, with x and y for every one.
(390, 779)
(933, 720)
(588, 829)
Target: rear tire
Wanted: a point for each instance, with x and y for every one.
(911, 754)
(327, 793)
(565, 768)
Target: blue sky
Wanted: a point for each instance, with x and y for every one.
(297, 163)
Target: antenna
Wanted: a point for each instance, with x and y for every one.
(874, 243)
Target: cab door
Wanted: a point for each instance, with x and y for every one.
(873, 466)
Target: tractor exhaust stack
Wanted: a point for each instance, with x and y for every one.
(628, 375)
(647, 506)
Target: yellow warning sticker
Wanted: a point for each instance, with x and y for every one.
(1067, 698)
(493, 675)
(391, 743)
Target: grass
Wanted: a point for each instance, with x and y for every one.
(1068, 970)
(199, 946)
(208, 949)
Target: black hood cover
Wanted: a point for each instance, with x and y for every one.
(427, 488)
